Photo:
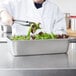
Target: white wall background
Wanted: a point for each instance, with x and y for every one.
(67, 6)
(1, 0)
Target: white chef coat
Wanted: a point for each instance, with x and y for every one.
(49, 15)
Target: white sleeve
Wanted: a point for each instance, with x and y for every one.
(60, 23)
(7, 5)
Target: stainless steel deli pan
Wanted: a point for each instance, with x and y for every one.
(35, 47)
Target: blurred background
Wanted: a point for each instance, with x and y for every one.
(67, 6)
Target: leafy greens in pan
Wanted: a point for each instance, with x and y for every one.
(40, 36)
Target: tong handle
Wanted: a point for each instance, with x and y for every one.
(22, 22)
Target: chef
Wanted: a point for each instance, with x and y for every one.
(43, 11)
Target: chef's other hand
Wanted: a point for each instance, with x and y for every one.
(6, 18)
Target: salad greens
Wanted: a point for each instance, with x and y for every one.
(32, 29)
(18, 38)
(43, 36)
(40, 36)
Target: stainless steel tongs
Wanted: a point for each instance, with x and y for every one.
(22, 22)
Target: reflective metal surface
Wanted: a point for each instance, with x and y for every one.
(7, 60)
(40, 65)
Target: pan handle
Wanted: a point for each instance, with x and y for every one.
(72, 40)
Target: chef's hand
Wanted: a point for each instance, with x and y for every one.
(6, 18)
